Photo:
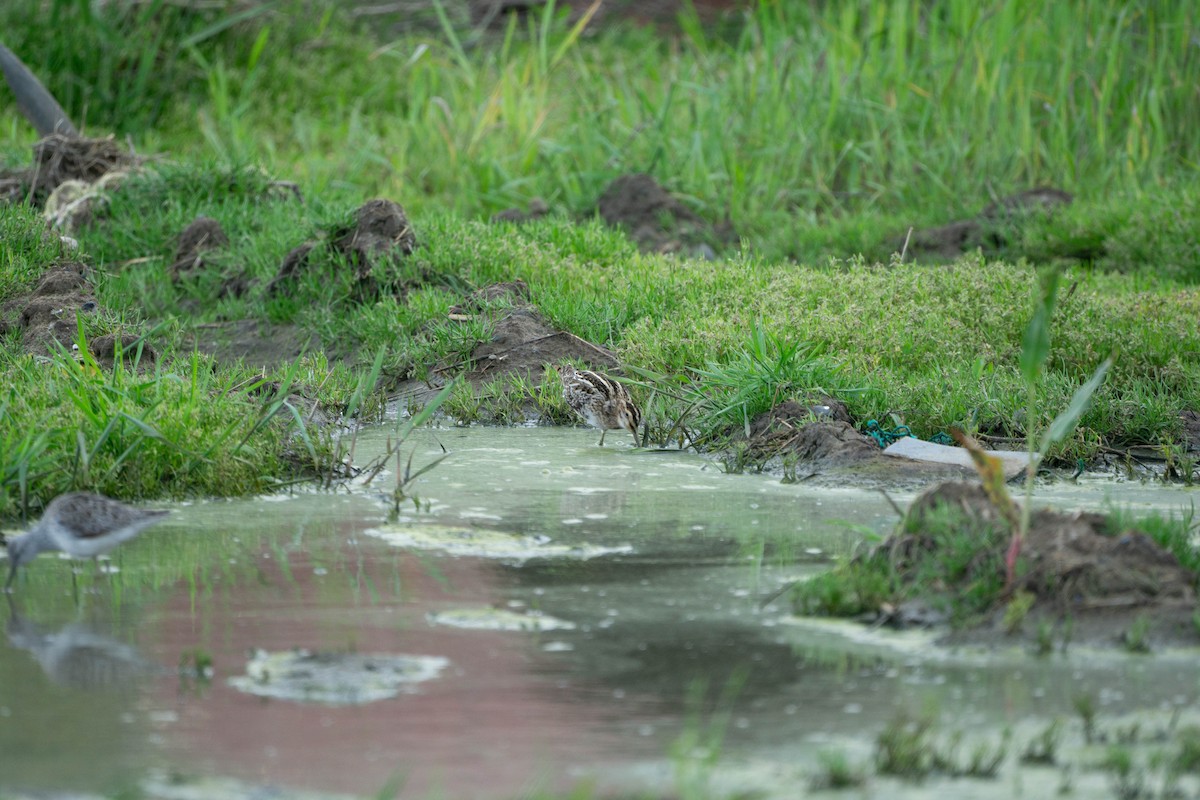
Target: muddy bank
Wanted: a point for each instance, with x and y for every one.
(1081, 577)
(817, 442)
(520, 346)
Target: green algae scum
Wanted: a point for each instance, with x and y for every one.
(312, 275)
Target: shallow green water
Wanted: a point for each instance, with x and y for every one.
(557, 612)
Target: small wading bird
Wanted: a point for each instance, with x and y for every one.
(601, 401)
(82, 525)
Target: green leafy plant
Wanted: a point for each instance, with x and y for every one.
(404, 472)
(1035, 350)
(766, 371)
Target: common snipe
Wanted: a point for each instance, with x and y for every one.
(601, 401)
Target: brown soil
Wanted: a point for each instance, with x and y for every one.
(204, 234)
(48, 313)
(381, 231)
(991, 229)
(105, 350)
(657, 221)
(256, 344)
(826, 448)
(58, 158)
(537, 210)
(1075, 569)
(523, 342)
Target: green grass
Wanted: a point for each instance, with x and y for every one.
(937, 346)
(821, 131)
(817, 129)
(1174, 532)
(67, 424)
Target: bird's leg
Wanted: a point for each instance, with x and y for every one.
(602, 432)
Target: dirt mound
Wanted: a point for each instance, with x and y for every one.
(991, 229)
(658, 222)
(537, 210)
(516, 292)
(1073, 562)
(204, 234)
(381, 231)
(106, 348)
(819, 439)
(523, 342)
(47, 314)
(57, 159)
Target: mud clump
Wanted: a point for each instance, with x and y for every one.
(992, 229)
(108, 348)
(48, 313)
(57, 159)
(514, 292)
(522, 343)
(819, 440)
(202, 236)
(47, 318)
(537, 210)
(1074, 562)
(657, 221)
(380, 232)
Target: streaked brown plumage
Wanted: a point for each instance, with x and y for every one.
(601, 401)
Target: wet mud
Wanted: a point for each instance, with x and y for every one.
(1077, 568)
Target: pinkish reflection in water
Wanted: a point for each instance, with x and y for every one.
(496, 723)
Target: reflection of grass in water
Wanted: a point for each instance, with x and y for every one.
(909, 747)
(172, 554)
(204, 551)
(698, 748)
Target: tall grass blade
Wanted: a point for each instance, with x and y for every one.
(1065, 422)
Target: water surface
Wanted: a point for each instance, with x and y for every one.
(593, 614)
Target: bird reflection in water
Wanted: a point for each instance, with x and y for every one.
(78, 655)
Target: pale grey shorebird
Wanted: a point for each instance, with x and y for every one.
(601, 401)
(82, 525)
